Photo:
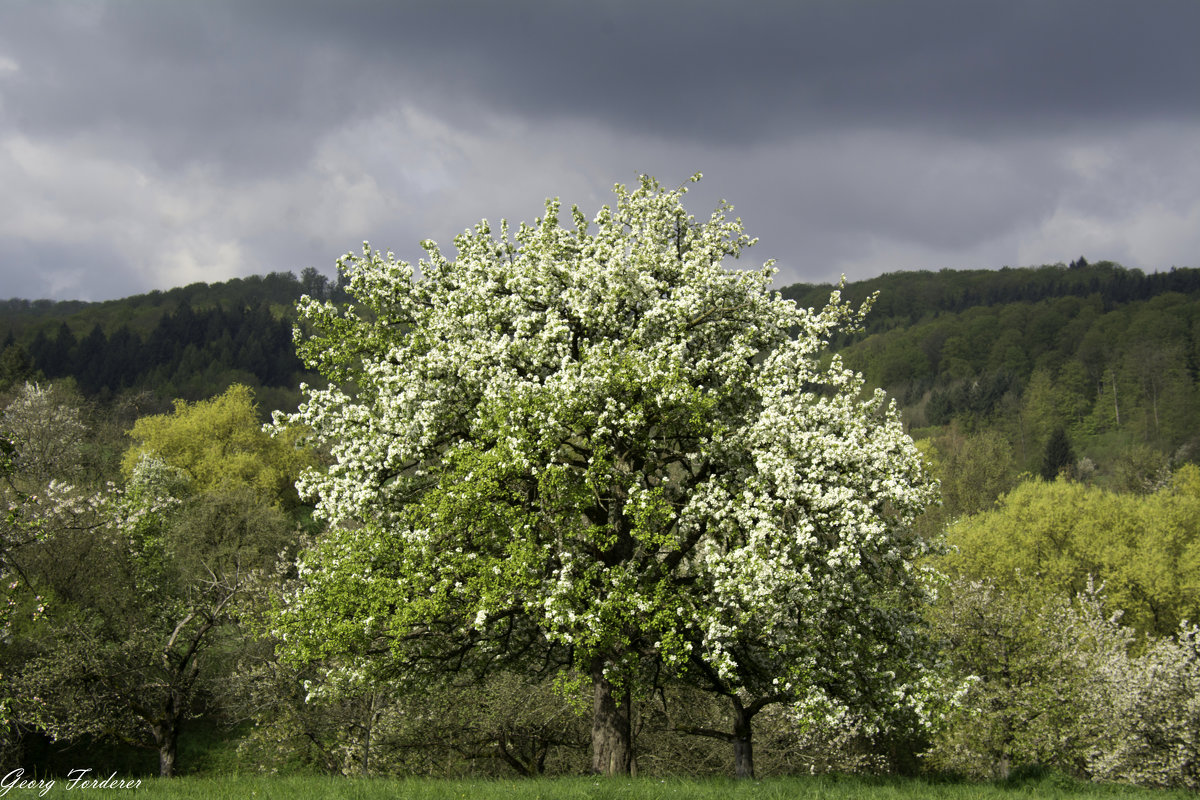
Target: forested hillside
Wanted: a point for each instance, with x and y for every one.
(907, 297)
(188, 343)
(1101, 359)
(1088, 368)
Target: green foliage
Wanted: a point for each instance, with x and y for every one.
(909, 297)
(1107, 354)
(1145, 549)
(1021, 703)
(139, 607)
(1061, 682)
(1141, 469)
(221, 446)
(122, 626)
(974, 470)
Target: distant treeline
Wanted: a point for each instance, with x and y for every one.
(965, 345)
(188, 342)
(908, 297)
(184, 344)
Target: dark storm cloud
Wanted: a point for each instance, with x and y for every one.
(181, 141)
(255, 83)
(670, 64)
(182, 83)
(748, 71)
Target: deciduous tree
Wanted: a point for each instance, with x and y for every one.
(136, 606)
(219, 443)
(598, 443)
(1057, 536)
(135, 584)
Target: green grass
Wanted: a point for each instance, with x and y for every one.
(815, 788)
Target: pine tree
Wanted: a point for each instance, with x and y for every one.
(1059, 454)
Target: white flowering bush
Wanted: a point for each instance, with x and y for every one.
(41, 433)
(46, 426)
(1141, 701)
(599, 443)
(41, 443)
(1064, 683)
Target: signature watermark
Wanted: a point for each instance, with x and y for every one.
(76, 779)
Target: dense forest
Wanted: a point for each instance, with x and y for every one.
(1101, 359)
(152, 524)
(183, 343)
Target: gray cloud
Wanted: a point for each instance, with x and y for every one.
(165, 143)
(747, 72)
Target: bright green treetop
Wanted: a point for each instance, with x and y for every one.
(221, 446)
(1145, 549)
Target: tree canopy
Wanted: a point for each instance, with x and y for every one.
(599, 445)
(121, 598)
(220, 445)
(1059, 535)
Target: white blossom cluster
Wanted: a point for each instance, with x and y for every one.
(605, 430)
(1063, 682)
(39, 438)
(46, 429)
(1141, 705)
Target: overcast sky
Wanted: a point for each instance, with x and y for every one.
(146, 145)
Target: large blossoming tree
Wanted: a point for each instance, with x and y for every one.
(598, 445)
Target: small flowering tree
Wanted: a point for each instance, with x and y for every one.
(1140, 702)
(1065, 683)
(597, 442)
(121, 599)
(41, 432)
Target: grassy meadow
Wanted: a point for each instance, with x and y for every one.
(827, 787)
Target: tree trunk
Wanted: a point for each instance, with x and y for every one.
(372, 717)
(743, 742)
(366, 753)
(1116, 405)
(742, 737)
(166, 736)
(612, 745)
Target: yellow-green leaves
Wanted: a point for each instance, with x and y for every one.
(1145, 549)
(221, 446)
